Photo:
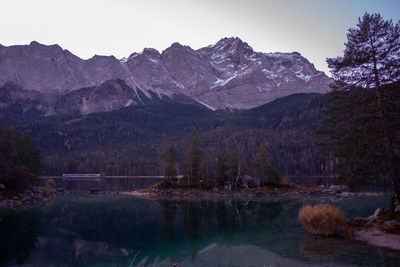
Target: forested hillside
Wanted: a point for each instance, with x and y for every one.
(127, 141)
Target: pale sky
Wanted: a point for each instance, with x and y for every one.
(315, 28)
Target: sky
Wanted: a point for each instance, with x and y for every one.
(315, 28)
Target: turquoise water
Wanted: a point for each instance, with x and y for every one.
(118, 230)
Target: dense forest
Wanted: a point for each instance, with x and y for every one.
(127, 141)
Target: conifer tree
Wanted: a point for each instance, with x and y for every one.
(162, 154)
(193, 159)
(261, 164)
(222, 177)
(20, 160)
(360, 109)
(266, 172)
(371, 57)
(170, 165)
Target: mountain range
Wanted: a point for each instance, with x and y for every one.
(48, 80)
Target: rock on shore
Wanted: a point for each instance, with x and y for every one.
(375, 237)
(31, 197)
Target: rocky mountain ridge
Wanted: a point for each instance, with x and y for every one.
(228, 74)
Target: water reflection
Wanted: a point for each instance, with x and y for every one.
(18, 233)
(106, 184)
(120, 230)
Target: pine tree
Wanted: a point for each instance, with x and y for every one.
(371, 57)
(359, 111)
(162, 154)
(267, 174)
(193, 159)
(232, 161)
(208, 167)
(230, 167)
(262, 165)
(20, 160)
(222, 177)
(170, 165)
(272, 175)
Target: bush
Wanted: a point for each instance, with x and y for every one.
(324, 220)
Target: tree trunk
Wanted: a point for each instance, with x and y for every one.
(389, 154)
(392, 168)
(237, 178)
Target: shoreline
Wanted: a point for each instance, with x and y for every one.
(32, 197)
(377, 238)
(37, 195)
(247, 193)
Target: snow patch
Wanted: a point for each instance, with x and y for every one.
(263, 89)
(129, 102)
(217, 56)
(220, 60)
(302, 76)
(220, 82)
(206, 105)
(279, 55)
(269, 74)
(135, 55)
(253, 58)
(154, 60)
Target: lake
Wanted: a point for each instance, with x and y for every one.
(110, 184)
(120, 230)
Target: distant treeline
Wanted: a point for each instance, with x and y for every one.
(127, 141)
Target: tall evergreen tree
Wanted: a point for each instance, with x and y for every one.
(267, 174)
(262, 164)
(232, 162)
(193, 159)
(360, 109)
(371, 57)
(208, 167)
(162, 154)
(222, 177)
(20, 160)
(230, 167)
(170, 172)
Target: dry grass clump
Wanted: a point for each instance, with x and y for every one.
(324, 220)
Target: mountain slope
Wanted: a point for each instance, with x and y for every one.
(110, 95)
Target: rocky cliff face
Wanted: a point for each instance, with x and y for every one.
(228, 74)
(245, 79)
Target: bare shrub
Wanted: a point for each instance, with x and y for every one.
(324, 220)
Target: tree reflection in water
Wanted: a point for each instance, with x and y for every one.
(18, 233)
(219, 220)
